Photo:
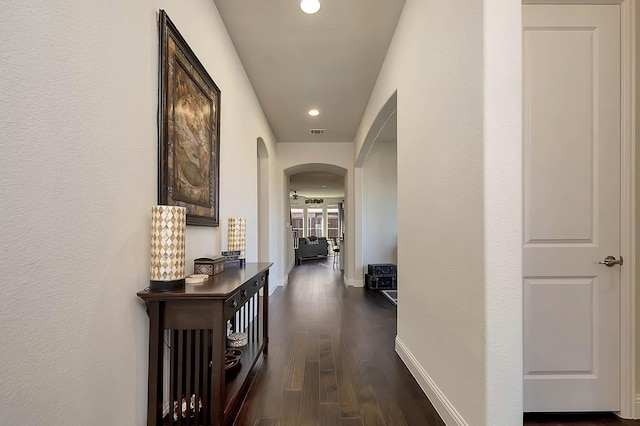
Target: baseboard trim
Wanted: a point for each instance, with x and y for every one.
(275, 283)
(443, 406)
(352, 283)
(358, 283)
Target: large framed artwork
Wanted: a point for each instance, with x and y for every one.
(189, 130)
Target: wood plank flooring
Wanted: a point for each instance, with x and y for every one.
(331, 359)
(332, 362)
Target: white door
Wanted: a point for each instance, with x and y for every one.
(572, 142)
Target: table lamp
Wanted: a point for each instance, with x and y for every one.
(168, 224)
(237, 236)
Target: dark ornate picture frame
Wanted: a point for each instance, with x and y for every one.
(188, 130)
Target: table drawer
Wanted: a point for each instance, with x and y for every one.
(232, 304)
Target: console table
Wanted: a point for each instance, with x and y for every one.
(188, 382)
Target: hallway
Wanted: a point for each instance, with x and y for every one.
(331, 359)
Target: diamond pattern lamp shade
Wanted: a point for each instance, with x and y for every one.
(168, 224)
(237, 234)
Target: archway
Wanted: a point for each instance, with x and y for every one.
(382, 129)
(324, 205)
(263, 200)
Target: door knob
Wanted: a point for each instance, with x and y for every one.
(610, 261)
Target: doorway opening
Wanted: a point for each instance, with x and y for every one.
(263, 201)
(376, 214)
(315, 208)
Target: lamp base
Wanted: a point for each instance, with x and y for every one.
(166, 285)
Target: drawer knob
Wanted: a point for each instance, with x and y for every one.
(244, 293)
(234, 303)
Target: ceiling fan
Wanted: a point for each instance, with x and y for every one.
(295, 195)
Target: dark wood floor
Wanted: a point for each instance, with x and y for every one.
(331, 359)
(332, 362)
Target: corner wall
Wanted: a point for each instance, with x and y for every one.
(380, 205)
(456, 66)
(79, 167)
(637, 260)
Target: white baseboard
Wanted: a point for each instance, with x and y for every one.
(352, 282)
(443, 406)
(282, 282)
(278, 283)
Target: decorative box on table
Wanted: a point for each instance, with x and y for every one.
(232, 258)
(209, 265)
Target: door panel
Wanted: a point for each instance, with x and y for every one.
(557, 130)
(561, 312)
(572, 145)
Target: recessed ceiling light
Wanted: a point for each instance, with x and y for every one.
(310, 6)
(313, 112)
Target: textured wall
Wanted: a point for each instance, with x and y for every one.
(456, 68)
(380, 205)
(637, 214)
(502, 103)
(78, 139)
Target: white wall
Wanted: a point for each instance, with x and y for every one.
(456, 68)
(637, 135)
(379, 205)
(503, 209)
(263, 201)
(79, 165)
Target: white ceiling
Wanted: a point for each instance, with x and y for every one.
(325, 184)
(317, 185)
(328, 61)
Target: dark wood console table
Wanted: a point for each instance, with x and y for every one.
(188, 382)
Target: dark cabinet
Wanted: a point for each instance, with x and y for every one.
(381, 276)
(189, 381)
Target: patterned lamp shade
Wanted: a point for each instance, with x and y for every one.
(237, 234)
(168, 225)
